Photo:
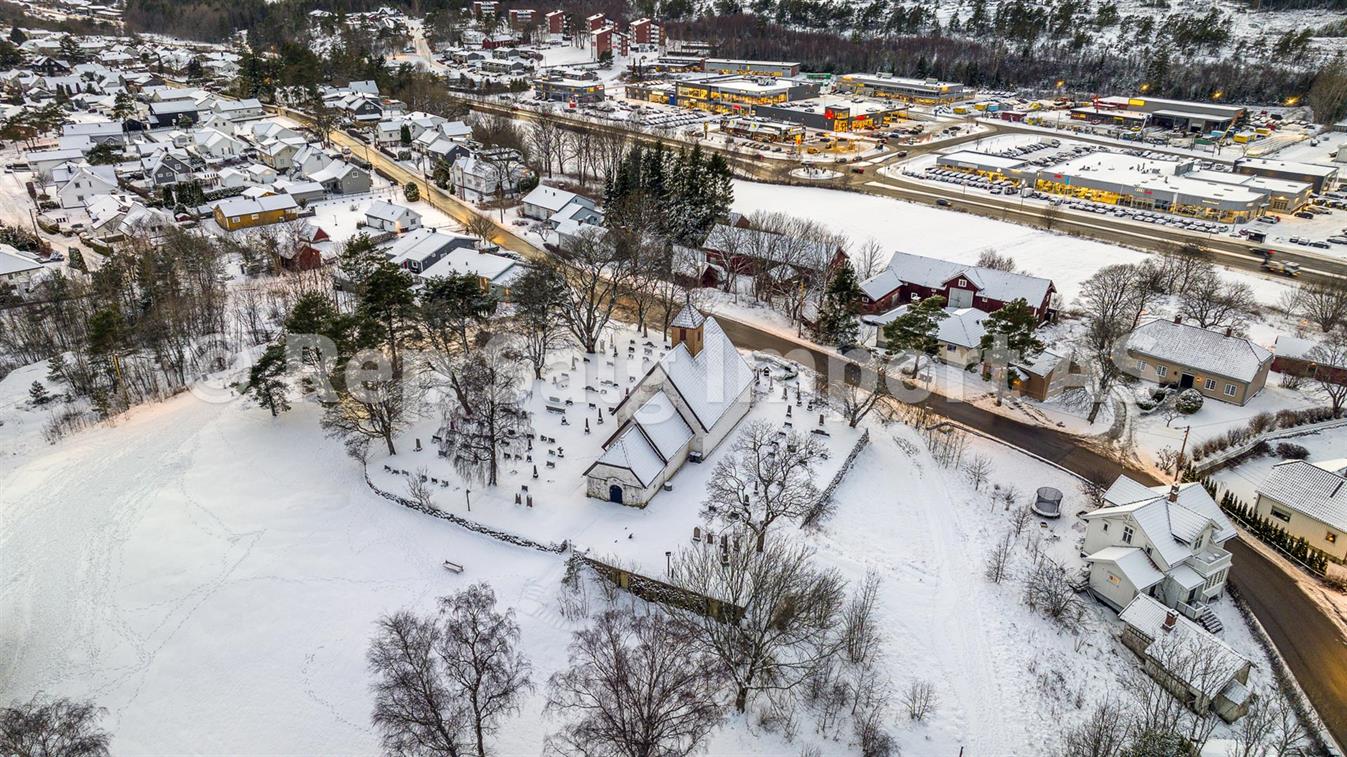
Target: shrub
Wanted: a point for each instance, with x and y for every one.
(1188, 402)
(1289, 451)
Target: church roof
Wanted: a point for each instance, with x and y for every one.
(688, 318)
(711, 381)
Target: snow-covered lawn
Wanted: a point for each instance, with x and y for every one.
(211, 576)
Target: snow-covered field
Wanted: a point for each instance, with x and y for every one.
(936, 232)
(211, 576)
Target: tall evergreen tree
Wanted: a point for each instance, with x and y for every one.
(265, 382)
(914, 331)
(837, 324)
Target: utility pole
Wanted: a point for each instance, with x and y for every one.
(1183, 449)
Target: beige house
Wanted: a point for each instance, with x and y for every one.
(1309, 500)
(958, 334)
(1219, 365)
(1202, 671)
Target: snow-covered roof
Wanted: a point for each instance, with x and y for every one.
(1207, 351)
(1134, 564)
(1317, 490)
(1170, 526)
(1295, 348)
(633, 451)
(12, 262)
(387, 211)
(496, 269)
(934, 273)
(662, 424)
(422, 244)
(711, 381)
(549, 198)
(1180, 649)
(688, 318)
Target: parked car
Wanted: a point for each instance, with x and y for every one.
(1305, 214)
(942, 202)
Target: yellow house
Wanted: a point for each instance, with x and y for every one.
(242, 213)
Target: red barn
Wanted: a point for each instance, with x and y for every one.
(909, 278)
(1294, 356)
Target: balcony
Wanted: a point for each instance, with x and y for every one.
(1209, 561)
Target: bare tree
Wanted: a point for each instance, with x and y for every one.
(920, 699)
(485, 414)
(1322, 303)
(1102, 734)
(481, 658)
(636, 686)
(771, 616)
(419, 489)
(43, 727)
(415, 709)
(769, 475)
(869, 259)
(1113, 299)
(860, 627)
(977, 470)
(1330, 357)
(538, 295)
(373, 409)
(990, 258)
(1047, 589)
(480, 226)
(1215, 303)
(544, 137)
(595, 275)
(998, 560)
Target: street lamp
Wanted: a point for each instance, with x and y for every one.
(468, 499)
(668, 562)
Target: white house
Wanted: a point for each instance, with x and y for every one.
(545, 201)
(86, 183)
(494, 273)
(213, 144)
(240, 110)
(1166, 542)
(958, 335)
(478, 180)
(1309, 500)
(18, 269)
(386, 216)
(683, 408)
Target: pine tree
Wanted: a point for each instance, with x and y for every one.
(38, 394)
(264, 380)
(837, 324)
(914, 331)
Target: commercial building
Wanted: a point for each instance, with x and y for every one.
(1117, 179)
(762, 129)
(1281, 195)
(1321, 178)
(839, 116)
(920, 91)
(726, 94)
(983, 164)
(1171, 114)
(779, 69)
(560, 88)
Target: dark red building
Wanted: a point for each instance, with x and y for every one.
(909, 278)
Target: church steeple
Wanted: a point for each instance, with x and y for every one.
(686, 328)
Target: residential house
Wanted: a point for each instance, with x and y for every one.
(545, 201)
(340, 177)
(240, 110)
(1295, 356)
(478, 179)
(261, 175)
(97, 132)
(310, 159)
(418, 250)
(753, 252)
(1047, 375)
(279, 154)
(1167, 542)
(958, 335)
(44, 162)
(687, 404)
(169, 113)
(312, 248)
(166, 169)
(19, 270)
(494, 273)
(1199, 669)
(86, 183)
(212, 144)
(386, 216)
(908, 278)
(1309, 501)
(237, 213)
(1217, 364)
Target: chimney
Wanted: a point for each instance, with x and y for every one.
(1171, 618)
(1178, 319)
(1174, 493)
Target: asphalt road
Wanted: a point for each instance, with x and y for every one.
(1312, 645)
